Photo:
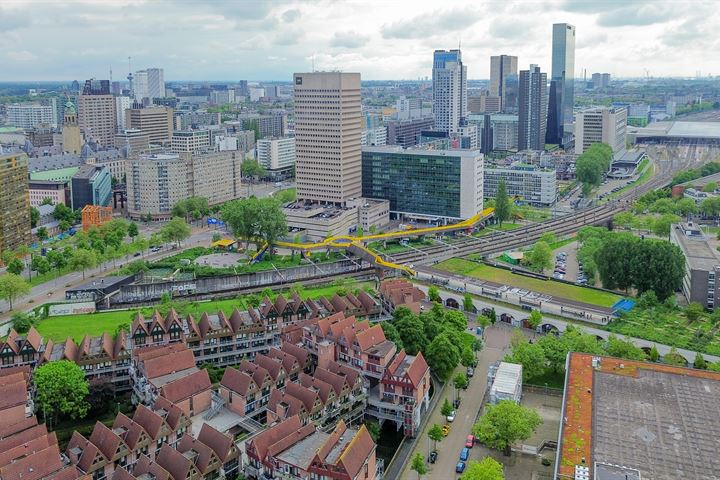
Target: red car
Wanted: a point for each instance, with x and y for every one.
(470, 441)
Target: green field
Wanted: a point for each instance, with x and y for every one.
(95, 324)
(506, 226)
(287, 195)
(558, 289)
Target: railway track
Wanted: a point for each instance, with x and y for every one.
(567, 224)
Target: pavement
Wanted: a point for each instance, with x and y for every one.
(496, 345)
(54, 290)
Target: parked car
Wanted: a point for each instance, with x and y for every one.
(433, 456)
(464, 454)
(460, 467)
(451, 417)
(470, 372)
(446, 430)
(470, 441)
(456, 403)
(137, 254)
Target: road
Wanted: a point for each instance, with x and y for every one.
(55, 290)
(496, 344)
(562, 325)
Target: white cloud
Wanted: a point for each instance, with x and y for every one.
(270, 39)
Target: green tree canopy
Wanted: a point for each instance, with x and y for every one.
(592, 164)
(434, 294)
(446, 408)
(442, 355)
(82, 259)
(176, 230)
(15, 266)
(486, 469)
(61, 390)
(418, 464)
(34, 217)
(504, 424)
(133, 230)
(435, 434)
(12, 287)
(540, 257)
(502, 203)
(460, 380)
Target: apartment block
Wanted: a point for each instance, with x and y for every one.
(156, 122)
(14, 202)
(96, 112)
(132, 142)
(277, 156)
(601, 125)
(534, 185)
(195, 141)
(405, 133)
(28, 115)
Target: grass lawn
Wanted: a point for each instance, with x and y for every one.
(506, 226)
(95, 324)
(396, 247)
(286, 195)
(558, 289)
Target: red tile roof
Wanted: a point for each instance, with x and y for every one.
(169, 363)
(370, 337)
(174, 462)
(263, 441)
(222, 444)
(356, 452)
(39, 464)
(237, 381)
(187, 386)
(417, 369)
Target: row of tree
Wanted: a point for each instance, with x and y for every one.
(592, 164)
(191, 208)
(438, 334)
(694, 173)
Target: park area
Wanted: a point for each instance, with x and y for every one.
(481, 271)
(94, 324)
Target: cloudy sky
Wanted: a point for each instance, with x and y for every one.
(382, 39)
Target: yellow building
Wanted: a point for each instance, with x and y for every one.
(71, 138)
(14, 202)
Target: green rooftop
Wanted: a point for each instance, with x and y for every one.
(58, 174)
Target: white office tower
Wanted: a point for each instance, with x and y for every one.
(449, 90)
(149, 83)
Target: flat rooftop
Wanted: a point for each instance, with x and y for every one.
(659, 420)
(678, 130)
(698, 253)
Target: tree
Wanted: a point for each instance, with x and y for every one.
(34, 217)
(504, 424)
(41, 233)
(12, 287)
(434, 294)
(468, 304)
(455, 320)
(411, 330)
(592, 164)
(133, 230)
(531, 356)
(460, 381)
(216, 237)
(686, 207)
(176, 230)
(693, 311)
(63, 213)
(272, 223)
(467, 357)
(548, 237)
(674, 358)
(486, 469)
(539, 257)
(446, 408)
(21, 322)
(40, 264)
(392, 334)
(700, 362)
(502, 203)
(442, 356)
(83, 259)
(616, 347)
(710, 187)
(16, 266)
(435, 434)
(418, 465)
(61, 390)
(535, 319)
(662, 224)
(251, 168)
(64, 225)
(654, 355)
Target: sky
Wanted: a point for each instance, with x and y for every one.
(381, 39)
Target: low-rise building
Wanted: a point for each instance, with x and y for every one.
(401, 293)
(91, 185)
(56, 191)
(504, 382)
(702, 264)
(534, 185)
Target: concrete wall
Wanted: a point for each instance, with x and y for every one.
(153, 291)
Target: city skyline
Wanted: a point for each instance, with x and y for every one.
(269, 40)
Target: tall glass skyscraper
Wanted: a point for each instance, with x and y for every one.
(562, 82)
(449, 90)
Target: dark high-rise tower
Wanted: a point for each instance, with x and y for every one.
(532, 109)
(562, 93)
(504, 80)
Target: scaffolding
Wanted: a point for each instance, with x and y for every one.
(95, 215)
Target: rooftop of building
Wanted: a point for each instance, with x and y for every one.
(658, 419)
(698, 253)
(628, 157)
(56, 173)
(678, 129)
(419, 150)
(105, 282)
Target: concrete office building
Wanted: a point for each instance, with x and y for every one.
(157, 122)
(188, 120)
(57, 192)
(601, 125)
(96, 112)
(532, 109)
(536, 186)
(256, 93)
(408, 108)
(41, 135)
(274, 125)
(156, 182)
(374, 137)
(600, 80)
(121, 104)
(191, 141)
(222, 97)
(503, 130)
(702, 265)
(406, 132)
(14, 202)
(28, 115)
(91, 185)
(562, 85)
(132, 142)
(504, 81)
(431, 185)
(449, 90)
(149, 84)
(327, 136)
(277, 156)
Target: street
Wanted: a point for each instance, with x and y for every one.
(496, 343)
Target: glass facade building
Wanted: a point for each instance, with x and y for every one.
(427, 183)
(562, 86)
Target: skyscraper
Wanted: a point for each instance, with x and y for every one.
(14, 202)
(562, 86)
(150, 84)
(504, 80)
(96, 112)
(156, 122)
(532, 106)
(449, 90)
(328, 126)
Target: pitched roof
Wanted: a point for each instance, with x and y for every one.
(288, 361)
(150, 421)
(306, 395)
(187, 386)
(171, 412)
(204, 456)
(323, 388)
(293, 406)
(169, 363)
(21, 432)
(14, 393)
(122, 474)
(337, 382)
(264, 440)
(370, 337)
(356, 452)
(298, 352)
(174, 462)
(350, 374)
(145, 466)
(105, 440)
(221, 444)
(236, 381)
(35, 466)
(417, 369)
(33, 338)
(259, 374)
(273, 366)
(39, 443)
